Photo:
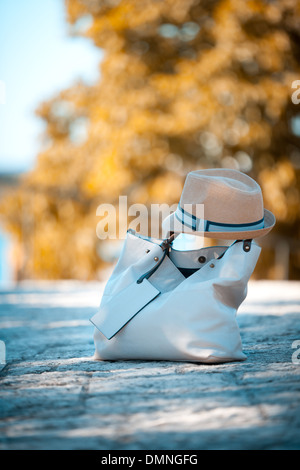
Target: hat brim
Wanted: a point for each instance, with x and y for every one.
(172, 224)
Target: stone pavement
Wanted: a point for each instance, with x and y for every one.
(54, 396)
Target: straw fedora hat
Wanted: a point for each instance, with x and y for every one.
(220, 203)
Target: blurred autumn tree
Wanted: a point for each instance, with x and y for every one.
(185, 84)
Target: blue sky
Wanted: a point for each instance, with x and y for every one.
(37, 60)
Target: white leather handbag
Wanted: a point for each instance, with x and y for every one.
(165, 304)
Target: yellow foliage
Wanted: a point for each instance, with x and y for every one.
(184, 85)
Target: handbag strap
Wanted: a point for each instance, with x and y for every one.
(246, 246)
(165, 246)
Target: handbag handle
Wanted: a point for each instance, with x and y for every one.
(165, 246)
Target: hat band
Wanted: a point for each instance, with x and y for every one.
(202, 225)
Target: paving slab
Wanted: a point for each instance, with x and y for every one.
(53, 395)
